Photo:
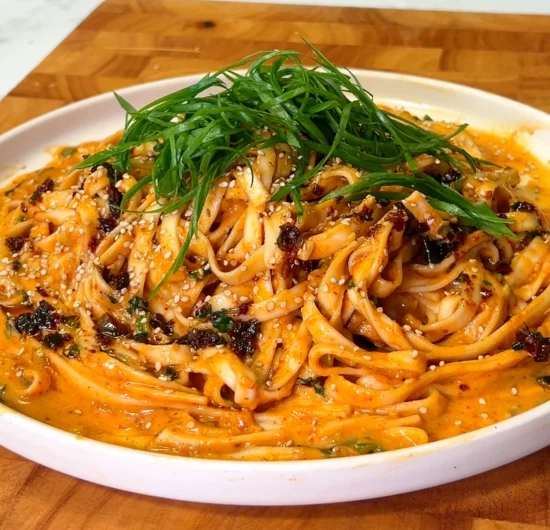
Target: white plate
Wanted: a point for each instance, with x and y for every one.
(276, 483)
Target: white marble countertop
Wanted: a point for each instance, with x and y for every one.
(31, 29)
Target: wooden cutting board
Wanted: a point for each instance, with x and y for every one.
(125, 42)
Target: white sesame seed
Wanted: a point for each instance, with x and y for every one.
(514, 391)
(423, 410)
(482, 401)
(458, 422)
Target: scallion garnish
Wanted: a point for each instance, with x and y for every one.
(324, 109)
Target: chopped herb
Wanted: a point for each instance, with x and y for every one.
(138, 304)
(72, 351)
(367, 448)
(314, 383)
(10, 191)
(71, 321)
(199, 274)
(21, 219)
(44, 317)
(9, 327)
(435, 251)
(113, 299)
(221, 320)
(68, 151)
(427, 117)
(108, 327)
(171, 373)
(141, 334)
(351, 284)
(203, 311)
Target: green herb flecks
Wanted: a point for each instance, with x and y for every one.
(203, 130)
(68, 151)
(314, 383)
(7, 193)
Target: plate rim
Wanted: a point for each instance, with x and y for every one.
(293, 466)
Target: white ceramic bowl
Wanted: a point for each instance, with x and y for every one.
(277, 483)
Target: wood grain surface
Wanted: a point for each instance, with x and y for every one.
(125, 42)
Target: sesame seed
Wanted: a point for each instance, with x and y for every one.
(414, 354)
(514, 391)
(148, 425)
(458, 422)
(484, 415)
(270, 306)
(423, 410)
(406, 327)
(482, 401)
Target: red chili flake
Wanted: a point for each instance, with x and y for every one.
(290, 239)
(523, 206)
(317, 190)
(534, 343)
(242, 336)
(47, 185)
(198, 339)
(15, 244)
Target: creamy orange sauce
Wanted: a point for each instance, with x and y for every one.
(474, 400)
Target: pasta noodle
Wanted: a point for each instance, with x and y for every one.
(355, 343)
(360, 324)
